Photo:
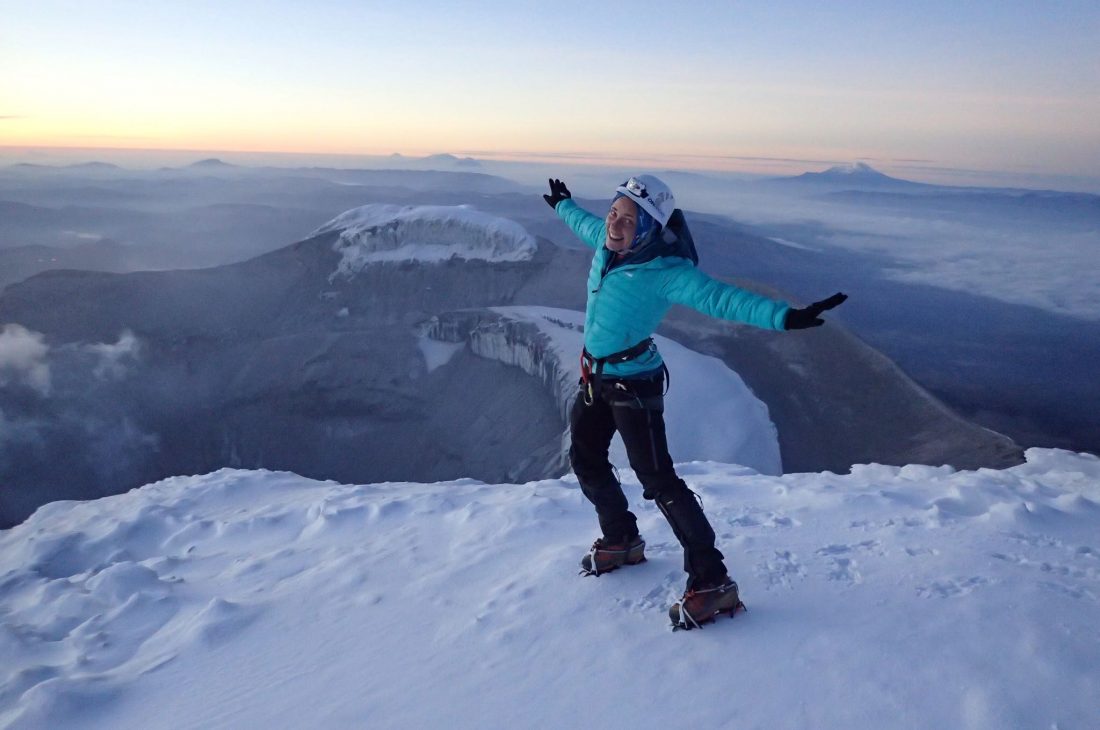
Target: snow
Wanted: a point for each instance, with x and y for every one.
(437, 354)
(380, 233)
(854, 168)
(908, 597)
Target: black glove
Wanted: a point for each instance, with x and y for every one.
(800, 319)
(558, 193)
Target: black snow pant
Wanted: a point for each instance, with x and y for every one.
(635, 408)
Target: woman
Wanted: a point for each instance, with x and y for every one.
(645, 262)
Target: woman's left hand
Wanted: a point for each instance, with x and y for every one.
(800, 319)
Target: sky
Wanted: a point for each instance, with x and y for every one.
(988, 86)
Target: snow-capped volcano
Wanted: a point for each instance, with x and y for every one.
(855, 168)
(857, 175)
(427, 233)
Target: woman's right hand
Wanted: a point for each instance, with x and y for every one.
(558, 193)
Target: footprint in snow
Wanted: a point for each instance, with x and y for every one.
(1049, 568)
(668, 588)
(841, 549)
(783, 568)
(952, 587)
(844, 570)
(763, 519)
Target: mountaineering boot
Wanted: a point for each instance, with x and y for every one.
(606, 556)
(702, 603)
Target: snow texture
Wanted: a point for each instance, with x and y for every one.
(428, 233)
(911, 597)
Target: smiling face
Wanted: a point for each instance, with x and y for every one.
(622, 224)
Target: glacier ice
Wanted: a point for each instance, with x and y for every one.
(427, 233)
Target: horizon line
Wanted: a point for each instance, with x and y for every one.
(1083, 183)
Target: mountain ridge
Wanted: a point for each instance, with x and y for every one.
(276, 362)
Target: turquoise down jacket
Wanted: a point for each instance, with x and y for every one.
(628, 297)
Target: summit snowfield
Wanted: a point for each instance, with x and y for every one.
(892, 597)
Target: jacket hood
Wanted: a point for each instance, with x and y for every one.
(674, 240)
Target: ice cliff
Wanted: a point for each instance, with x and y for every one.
(721, 419)
(426, 233)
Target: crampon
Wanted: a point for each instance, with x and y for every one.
(702, 605)
(605, 556)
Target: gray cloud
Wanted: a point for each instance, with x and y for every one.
(23, 358)
(113, 359)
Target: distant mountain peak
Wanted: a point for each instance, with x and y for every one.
(449, 159)
(854, 168)
(94, 165)
(209, 163)
(855, 173)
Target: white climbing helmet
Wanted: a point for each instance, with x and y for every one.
(652, 195)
